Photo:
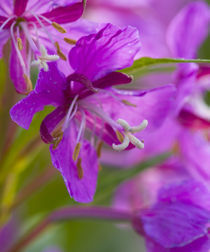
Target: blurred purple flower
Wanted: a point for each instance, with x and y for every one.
(85, 102)
(29, 25)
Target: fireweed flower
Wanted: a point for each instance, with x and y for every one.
(29, 25)
(178, 221)
(87, 105)
(177, 218)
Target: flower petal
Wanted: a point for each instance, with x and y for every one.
(175, 224)
(20, 6)
(183, 36)
(81, 189)
(110, 49)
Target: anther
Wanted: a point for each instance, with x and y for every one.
(20, 44)
(79, 168)
(29, 86)
(99, 148)
(70, 41)
(76, 151)
(129, 137)
(100, 167)
(57, 140)
(60, 54)
(119, 135)
(58, 27)
(128, 103)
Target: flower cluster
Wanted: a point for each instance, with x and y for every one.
(81, 74)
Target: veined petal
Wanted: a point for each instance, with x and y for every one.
(106, 51)
(22, 112)
(82, 189)
(188, 29)
(20, 6)
(175, 224)
(201, 244)
(65, 14)
(52, 84)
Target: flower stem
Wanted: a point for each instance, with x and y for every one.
(70, 213)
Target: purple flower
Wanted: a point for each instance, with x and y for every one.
(86, 105)
(29, 24)
(178, 221)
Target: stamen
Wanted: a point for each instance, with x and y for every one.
(128, 103)
(60, 54)
(99, 148)
(129, 137)
(70, 41)
(123, 145)
(44, 58)
(120, 137)
(68, 116)
(79, 168)
(58, 27)
(29, 87)
(57, 140)
(100, 167)
(27, 34)
(76, 151)
(20, 44)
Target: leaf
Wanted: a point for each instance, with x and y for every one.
(109, 180)
(144, 62)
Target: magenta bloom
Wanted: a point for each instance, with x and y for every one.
(178, 221)
(86, 105)
(29, 24)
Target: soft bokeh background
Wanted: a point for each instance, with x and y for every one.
(31, 187)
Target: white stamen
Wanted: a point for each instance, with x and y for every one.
(69, 115)
(44, 58)
(128, 135)
(123, 145)
(27, 34)
(82, 127)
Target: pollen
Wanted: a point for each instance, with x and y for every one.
(128, 103)
(128, 135)
(70, 41)
(59, 52)
(79, 168)
(58, 27)
(119, 135)
(19, 44)
(76, 151)
(57, 139)
(99, 148)
(29, 85)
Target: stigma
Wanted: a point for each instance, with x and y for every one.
(128, 135)
(44, 58)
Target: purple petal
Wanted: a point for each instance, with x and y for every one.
(199, 245)
(188, 30)
(50, 122)
(17, 70)
(175, 224)
(112, 79)
(52, 84)
(81, 189)
(22, 112)
(110, 49)
(192, 121)
(20, 6)
(65, 14)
